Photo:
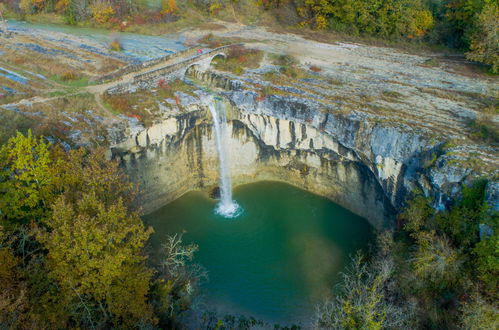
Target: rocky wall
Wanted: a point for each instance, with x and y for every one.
(179, 155)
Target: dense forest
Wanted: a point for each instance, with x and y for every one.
(470, 26)
(72, 245)
(73, 254)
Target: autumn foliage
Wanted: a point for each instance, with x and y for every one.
(102, 11)
(72, 245)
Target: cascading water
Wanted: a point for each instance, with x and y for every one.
(227, 207)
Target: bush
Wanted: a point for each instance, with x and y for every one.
(478, 314)
(484, 130)
(364, 301)
(102, 11)
(115, 45)
(69, 76)
(484, 45)
(314, 68)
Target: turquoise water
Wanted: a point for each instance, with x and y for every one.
(275, 261)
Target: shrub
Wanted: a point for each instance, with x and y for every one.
(314, 68)
(478, 314)
(436, 261)
(285, 59)
(364, 301)
(487, 261)
(239, 58)
(168, 7)
(115, 45)
(69, 76)
(484, 130)
(102, 11)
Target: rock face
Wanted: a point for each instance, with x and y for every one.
(179, 155)
(363, 164)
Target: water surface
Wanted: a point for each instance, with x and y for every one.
(276, 260)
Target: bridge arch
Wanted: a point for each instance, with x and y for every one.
(217, 55)
(203, 64)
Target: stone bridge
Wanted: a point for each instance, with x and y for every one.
(150, 78)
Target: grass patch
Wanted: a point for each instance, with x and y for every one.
(391, 96)
(168, 89)
(431, 63)
(57, 93)
(489, 104)
(239, 59)
(74, 104)
(137, 105)
(484, 130)
(283, 60)
(71, 80)
(335, 81)
(143, 105)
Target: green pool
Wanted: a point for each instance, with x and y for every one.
(276, 260)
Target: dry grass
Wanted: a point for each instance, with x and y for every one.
(135, 105)
(143, 105)
(211, 26)
(391, 96)
(22, 91)
(53, 119)
(71, 104)
(238, 59)
(50, 65)
(485, 129)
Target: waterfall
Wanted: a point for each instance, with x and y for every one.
(227, 207)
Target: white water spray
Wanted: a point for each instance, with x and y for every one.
(227, 207)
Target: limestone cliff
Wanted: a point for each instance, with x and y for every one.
(368, 165)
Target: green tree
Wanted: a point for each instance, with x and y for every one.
(94, 250)
(80, 263)
(478, 314)
(27, 179)
(436, 261)
(486, 255)
(484, 45)
(389, 18)
(364, 301)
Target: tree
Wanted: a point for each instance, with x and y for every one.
(484, 45)
(486, 254)
(363, 301)
(435, 260)
(177, 279)
(389, 18)
(168, 7)
(94, 250)
(478, 314)
(27, 179)
(102, 11)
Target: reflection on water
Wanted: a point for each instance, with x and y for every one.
(275, 261)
